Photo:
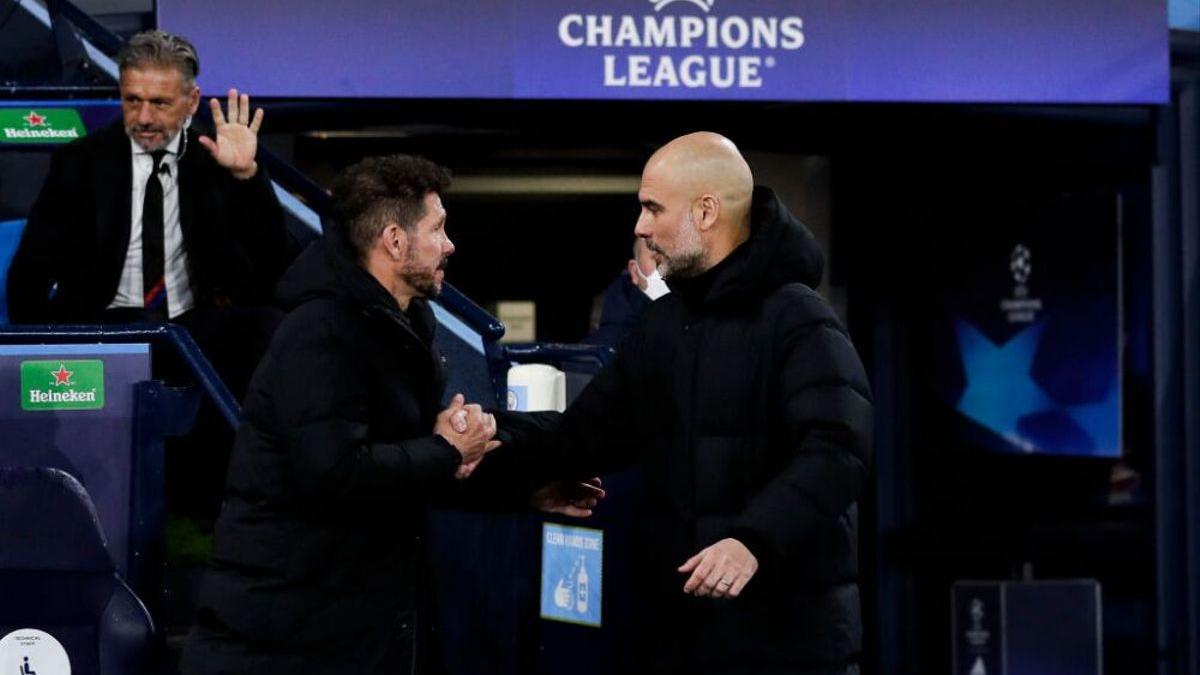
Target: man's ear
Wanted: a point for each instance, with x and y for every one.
(395, 242)
(705, 212)
(193, 97)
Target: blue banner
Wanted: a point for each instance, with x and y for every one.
(572, 574)
(1070, 51)
(1027, 351)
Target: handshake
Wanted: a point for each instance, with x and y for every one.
(469, 430)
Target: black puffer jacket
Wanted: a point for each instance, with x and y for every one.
(317, 562)
(744, 402)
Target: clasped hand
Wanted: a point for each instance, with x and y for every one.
(469, 430)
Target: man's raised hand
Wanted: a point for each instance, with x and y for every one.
(236, 135)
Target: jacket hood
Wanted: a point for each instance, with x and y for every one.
(328, 269)
(780, 251)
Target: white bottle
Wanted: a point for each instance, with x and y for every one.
(581, 588)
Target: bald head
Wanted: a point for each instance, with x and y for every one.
(700, 186)
(707, 163)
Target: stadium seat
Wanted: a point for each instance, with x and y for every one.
(57, 577)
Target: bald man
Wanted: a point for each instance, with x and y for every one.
(743, 401)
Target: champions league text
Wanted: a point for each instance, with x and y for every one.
(721, 71)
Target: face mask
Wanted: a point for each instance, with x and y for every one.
(655, 286)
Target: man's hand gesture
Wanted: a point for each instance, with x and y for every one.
(720, 571)
(469, 430)
(237, 136)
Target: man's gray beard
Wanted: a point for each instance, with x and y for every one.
(683, 266)
(689, 263)
(170, 135)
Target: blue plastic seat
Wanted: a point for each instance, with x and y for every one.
(57, 577)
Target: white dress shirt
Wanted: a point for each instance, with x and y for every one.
(175, 258)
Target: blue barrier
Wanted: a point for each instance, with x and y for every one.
(133, 506)
(176, 337)
(10, 236)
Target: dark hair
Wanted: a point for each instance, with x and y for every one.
(159, 48)
(376, 191)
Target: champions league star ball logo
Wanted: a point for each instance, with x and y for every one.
(1021, 308)
(702, 4)
(1020, 263)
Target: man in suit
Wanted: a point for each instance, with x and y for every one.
(148, 221)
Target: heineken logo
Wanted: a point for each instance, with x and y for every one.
(62, 385)
(48, 125)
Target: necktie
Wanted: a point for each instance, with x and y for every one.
(154, 284)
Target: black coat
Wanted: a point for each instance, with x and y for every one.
(317, 565)
(744, 402)
(78, 232)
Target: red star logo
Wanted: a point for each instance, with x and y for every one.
(62, 375)
(35, 120)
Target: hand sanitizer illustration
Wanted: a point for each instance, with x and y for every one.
(562, 595)
(581, 588)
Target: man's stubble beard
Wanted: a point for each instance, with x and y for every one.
(167, 135)
(689, 261)
(424, 283)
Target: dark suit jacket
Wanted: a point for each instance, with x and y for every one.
(78, 233)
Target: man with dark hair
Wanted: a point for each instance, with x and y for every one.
(744, 402)
(319, 564)
(149, 221)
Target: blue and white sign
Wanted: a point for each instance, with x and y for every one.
(572, 574)
(1067, 51)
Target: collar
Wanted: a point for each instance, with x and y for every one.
(696, 291)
